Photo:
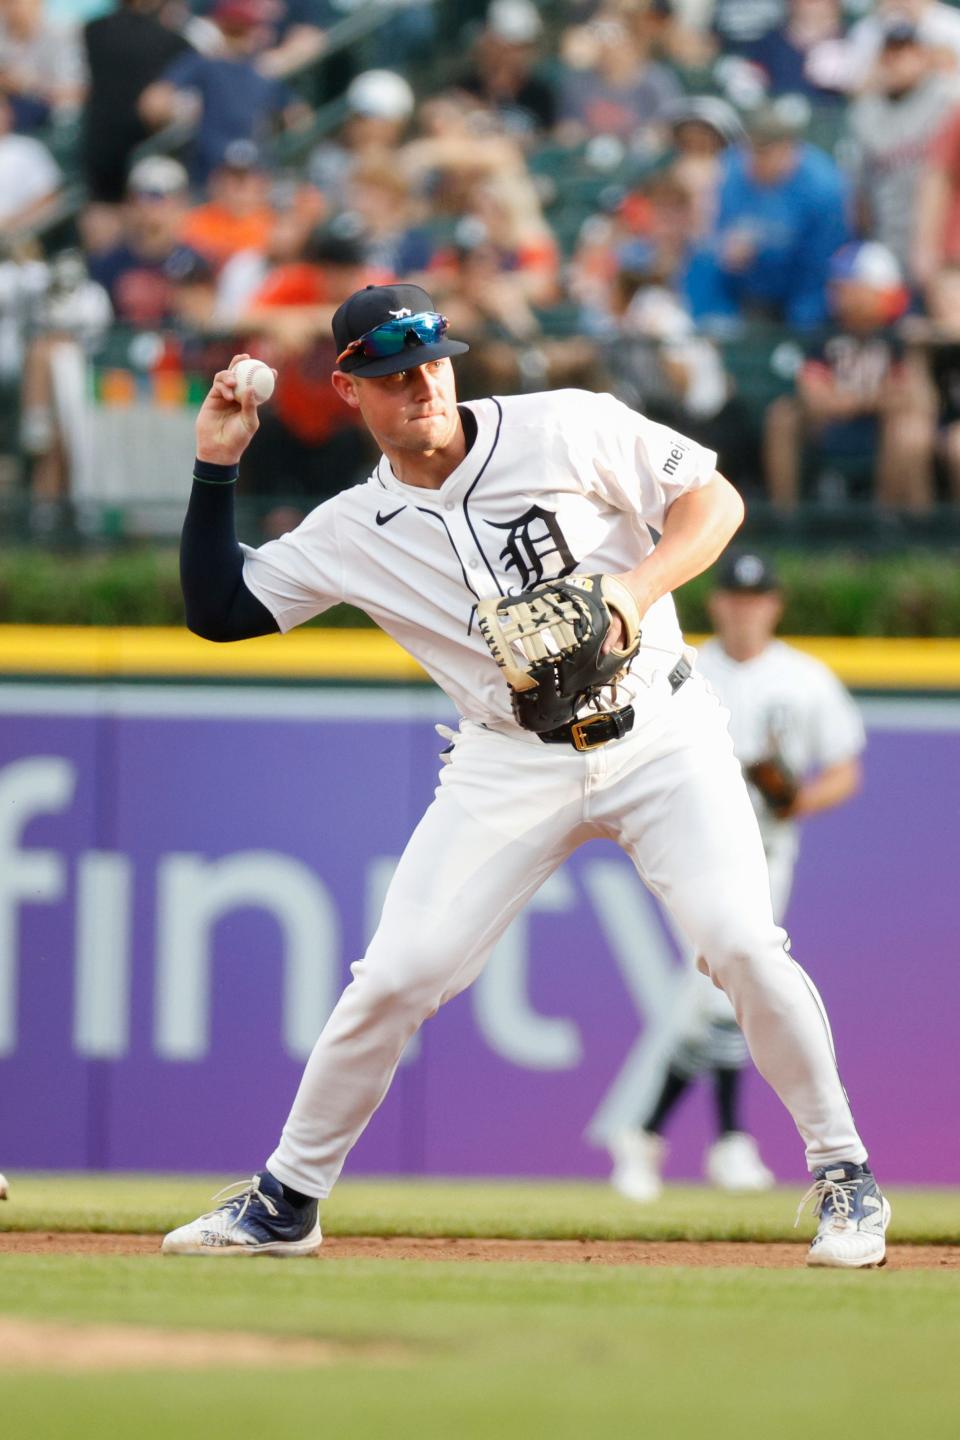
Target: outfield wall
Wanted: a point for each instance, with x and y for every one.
(186, 873)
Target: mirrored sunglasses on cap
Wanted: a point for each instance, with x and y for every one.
(408, 332)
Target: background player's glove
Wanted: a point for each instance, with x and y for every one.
(776, 782)
(548, 642)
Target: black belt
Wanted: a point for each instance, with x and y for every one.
(599, 729)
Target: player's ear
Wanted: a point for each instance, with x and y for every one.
(346, 388)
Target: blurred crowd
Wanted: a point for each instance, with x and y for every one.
(741, 216)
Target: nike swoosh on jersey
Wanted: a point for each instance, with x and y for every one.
(382, 519)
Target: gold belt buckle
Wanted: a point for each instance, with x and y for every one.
(580, 740)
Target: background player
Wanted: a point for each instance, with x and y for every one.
(479, 502)
(798, 735)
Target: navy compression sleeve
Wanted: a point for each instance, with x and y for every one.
(218, 604)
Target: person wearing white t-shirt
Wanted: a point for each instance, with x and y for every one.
(788, 710)
(473, 502)
(29, 175)
(848, 64)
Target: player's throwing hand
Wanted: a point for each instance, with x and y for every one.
(226, 423)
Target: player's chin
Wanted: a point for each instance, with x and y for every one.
(428, 431)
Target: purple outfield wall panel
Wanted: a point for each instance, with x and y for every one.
(186, 875)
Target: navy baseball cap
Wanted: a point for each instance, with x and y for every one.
(388, 306)
(747, 573)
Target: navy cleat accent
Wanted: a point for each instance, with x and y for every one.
(256, 1219)
(853, 1216)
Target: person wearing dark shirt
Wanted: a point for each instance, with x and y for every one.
(235, 101)
(294, 33)
(126, 52)
(134, 272)
(615, 88)
(738, 23)
(862, 405)
(503, 73)
(787, 53)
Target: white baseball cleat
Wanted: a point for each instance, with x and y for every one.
(853, 1218)
(4, 1187)
(638, 1158)
(257, 1220)
(733, 1163)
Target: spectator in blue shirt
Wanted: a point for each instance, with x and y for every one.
(782, 212)
(226, 91)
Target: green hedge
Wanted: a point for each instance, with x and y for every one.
(916, 594)
(913, 594)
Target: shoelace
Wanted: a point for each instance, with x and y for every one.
(238, 1196)
(839, 1194)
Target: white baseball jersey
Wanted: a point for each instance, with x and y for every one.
(787, 703)
(554, 483)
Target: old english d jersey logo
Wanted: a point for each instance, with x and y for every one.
(530, 540)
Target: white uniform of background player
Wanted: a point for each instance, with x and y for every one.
(785, 704)
(497, 495)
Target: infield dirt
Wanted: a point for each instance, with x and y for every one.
(698, 1254)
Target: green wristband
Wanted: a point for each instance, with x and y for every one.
(210, 474)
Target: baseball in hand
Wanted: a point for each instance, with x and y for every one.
(256, 376)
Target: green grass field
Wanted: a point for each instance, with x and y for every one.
(502, 1350)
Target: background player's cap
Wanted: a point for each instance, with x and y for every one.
(747, 573)
(377, 305)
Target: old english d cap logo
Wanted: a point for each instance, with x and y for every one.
(375, 305)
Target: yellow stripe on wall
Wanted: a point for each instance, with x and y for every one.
(155, 651)
(114, 652)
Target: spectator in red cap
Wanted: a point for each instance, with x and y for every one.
(226, 91)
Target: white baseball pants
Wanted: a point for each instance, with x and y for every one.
(708, 1038)
(507, 812)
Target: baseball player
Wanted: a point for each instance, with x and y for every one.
(508, 545)
(4, 1187)
(798, 736)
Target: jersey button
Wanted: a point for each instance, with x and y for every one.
(472, 564)
(448, 505)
